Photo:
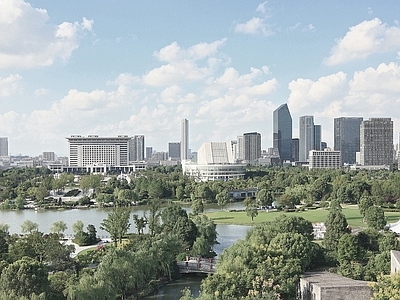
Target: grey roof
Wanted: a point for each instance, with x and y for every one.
(327, 280)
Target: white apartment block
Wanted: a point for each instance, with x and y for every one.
(94, 150)
(319, 159)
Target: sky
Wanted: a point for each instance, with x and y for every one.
(112, 67)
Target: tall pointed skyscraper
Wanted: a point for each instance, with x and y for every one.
(282, 126)
(184, 139)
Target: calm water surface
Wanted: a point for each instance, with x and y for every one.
(227, 235)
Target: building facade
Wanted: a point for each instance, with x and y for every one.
(184, 139)
(215, 161)
(149, 153)
(346, 132)
(306, 140)
(252, 146)
(295, 149)
(282, 135)
(95, 150)
(48, 156)
(376, 142)
(137, 148)
(317, 137)
(174, 151)
(3, 146)
(324, 159)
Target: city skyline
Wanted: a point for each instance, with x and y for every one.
(129, 67)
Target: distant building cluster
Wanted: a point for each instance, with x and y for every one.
(358, 143)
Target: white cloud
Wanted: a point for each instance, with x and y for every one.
(307, 94)
(41, 92)
(9, 85)
(29, 40)
(364, 39)
(262, 7)
(184, 65)
(254, 26)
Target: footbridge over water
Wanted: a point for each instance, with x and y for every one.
(197, 265)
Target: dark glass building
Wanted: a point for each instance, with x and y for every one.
(347, 137)
(252, 146)
(282, 134)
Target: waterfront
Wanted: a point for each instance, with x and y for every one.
(227, 235)
(45, 218)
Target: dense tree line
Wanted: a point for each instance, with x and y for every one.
(39, 266)
(266, 265)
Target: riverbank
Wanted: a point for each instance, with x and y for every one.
(353, 216)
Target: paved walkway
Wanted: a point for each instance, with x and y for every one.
(81, 248)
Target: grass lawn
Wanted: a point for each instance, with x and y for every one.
(318, 215)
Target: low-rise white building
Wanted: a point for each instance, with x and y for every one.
(324, 159)
(215, 161)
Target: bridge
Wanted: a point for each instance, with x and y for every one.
(197, 265)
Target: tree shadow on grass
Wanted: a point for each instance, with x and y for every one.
(222, 218)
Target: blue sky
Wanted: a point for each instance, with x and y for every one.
(111, 67)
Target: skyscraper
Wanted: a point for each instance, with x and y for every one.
(240, 147)
(184, 139)
(149, 153)
(376, 142)
(137, 150)
(295, 149)
(252, 146)
(174, 151)
(317, 137)
(3, 146)
(306, 140)
(346, 132)
(282, 135)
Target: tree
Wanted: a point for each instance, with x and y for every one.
(264, 197)
(387, 287)
(365, 203)
(222, 199)
(348, 249)
(375, 217)
(77, 226)
(197, 207)
(117, 224)
(140, 223)
(251, 207)
(58, 227)
(336, 225)
(24, 277)
(180, 192)
(29, 226)
(154, 216)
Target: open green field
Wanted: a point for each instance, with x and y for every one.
(317, 215)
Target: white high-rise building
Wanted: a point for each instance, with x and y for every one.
(306, 140)
(184, 139)
(94, 150)
(3, 146)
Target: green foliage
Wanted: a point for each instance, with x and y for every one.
(279, 257)
(251, 207)
(29, 226)
(375, 217)
(222, 199)
(336, 225)
(117, 223)
(24, 277)
(387, 287)
(197, 207)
